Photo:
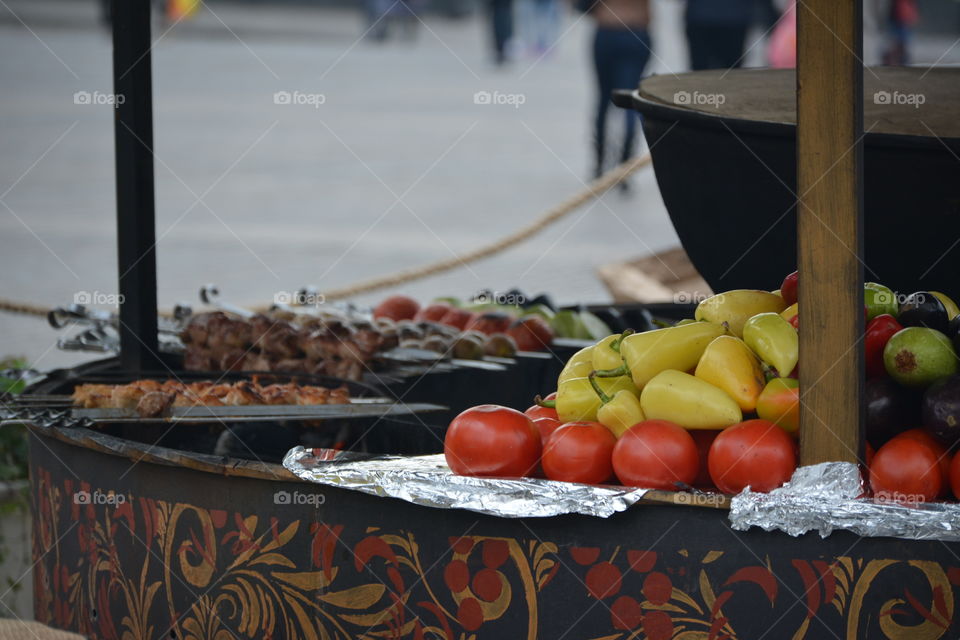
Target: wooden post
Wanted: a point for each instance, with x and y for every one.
(830, 228)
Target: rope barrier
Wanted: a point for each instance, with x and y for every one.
(552, 215)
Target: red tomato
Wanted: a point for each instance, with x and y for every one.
(943, 456)
(579, 452)
(868, 454)
(490, 322)
(397, 308)
(757, 453)
(546, 426)
(458, 318)
(906, 470)
(490, 440)
(703, 438)
(877, 335)
(788, 290)
(531, 334)
(433, 312)
(536, 411)
(955, 476)
(656, 454)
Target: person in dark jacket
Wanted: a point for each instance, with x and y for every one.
(501, 23)
(716, 31)
(621, 49)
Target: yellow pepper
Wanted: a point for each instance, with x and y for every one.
(734, 308)
(774, 340)
(647, 354)
(606, 353)
(579, 365)
(619, 412)
(577, 400)
(730, 365)
(689, 401)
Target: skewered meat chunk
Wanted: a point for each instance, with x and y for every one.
(92, 396)
(323, 344)
(315, 395)
(197, 359)
(154, 403)
(243, 393)
(232, 360)
(340, 395)
(151, 398)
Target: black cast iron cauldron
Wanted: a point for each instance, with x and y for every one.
(724, 151)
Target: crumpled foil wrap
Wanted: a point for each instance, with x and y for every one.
(428, 481)
(829, 496)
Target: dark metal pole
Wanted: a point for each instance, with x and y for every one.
(136, 234)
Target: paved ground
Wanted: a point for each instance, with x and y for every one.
(396, 168)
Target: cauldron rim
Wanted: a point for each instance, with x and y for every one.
(652, 107)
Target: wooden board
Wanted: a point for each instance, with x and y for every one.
(667, 276)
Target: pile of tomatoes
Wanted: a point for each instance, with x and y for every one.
(491, 440)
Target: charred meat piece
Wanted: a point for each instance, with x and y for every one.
(92, 396)
(154, 403)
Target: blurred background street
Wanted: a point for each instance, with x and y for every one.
(293, 148)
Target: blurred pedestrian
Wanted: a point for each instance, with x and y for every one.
(539, 24)
(902, 17)
(716, 32)
(621, 49)
(169, 11)
(501, 28)
(384, 15)
(782, 46)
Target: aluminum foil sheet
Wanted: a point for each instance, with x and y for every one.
(830, 496)
(428, 481)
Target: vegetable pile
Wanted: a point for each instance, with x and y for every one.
(713, 403)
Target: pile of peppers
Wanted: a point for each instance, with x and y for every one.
(605, 381)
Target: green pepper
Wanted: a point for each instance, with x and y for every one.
(606, 353)
(593, 326)
(566, 323)
(619, 412)
(541, 310)
(879, 300)
(774, 340)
